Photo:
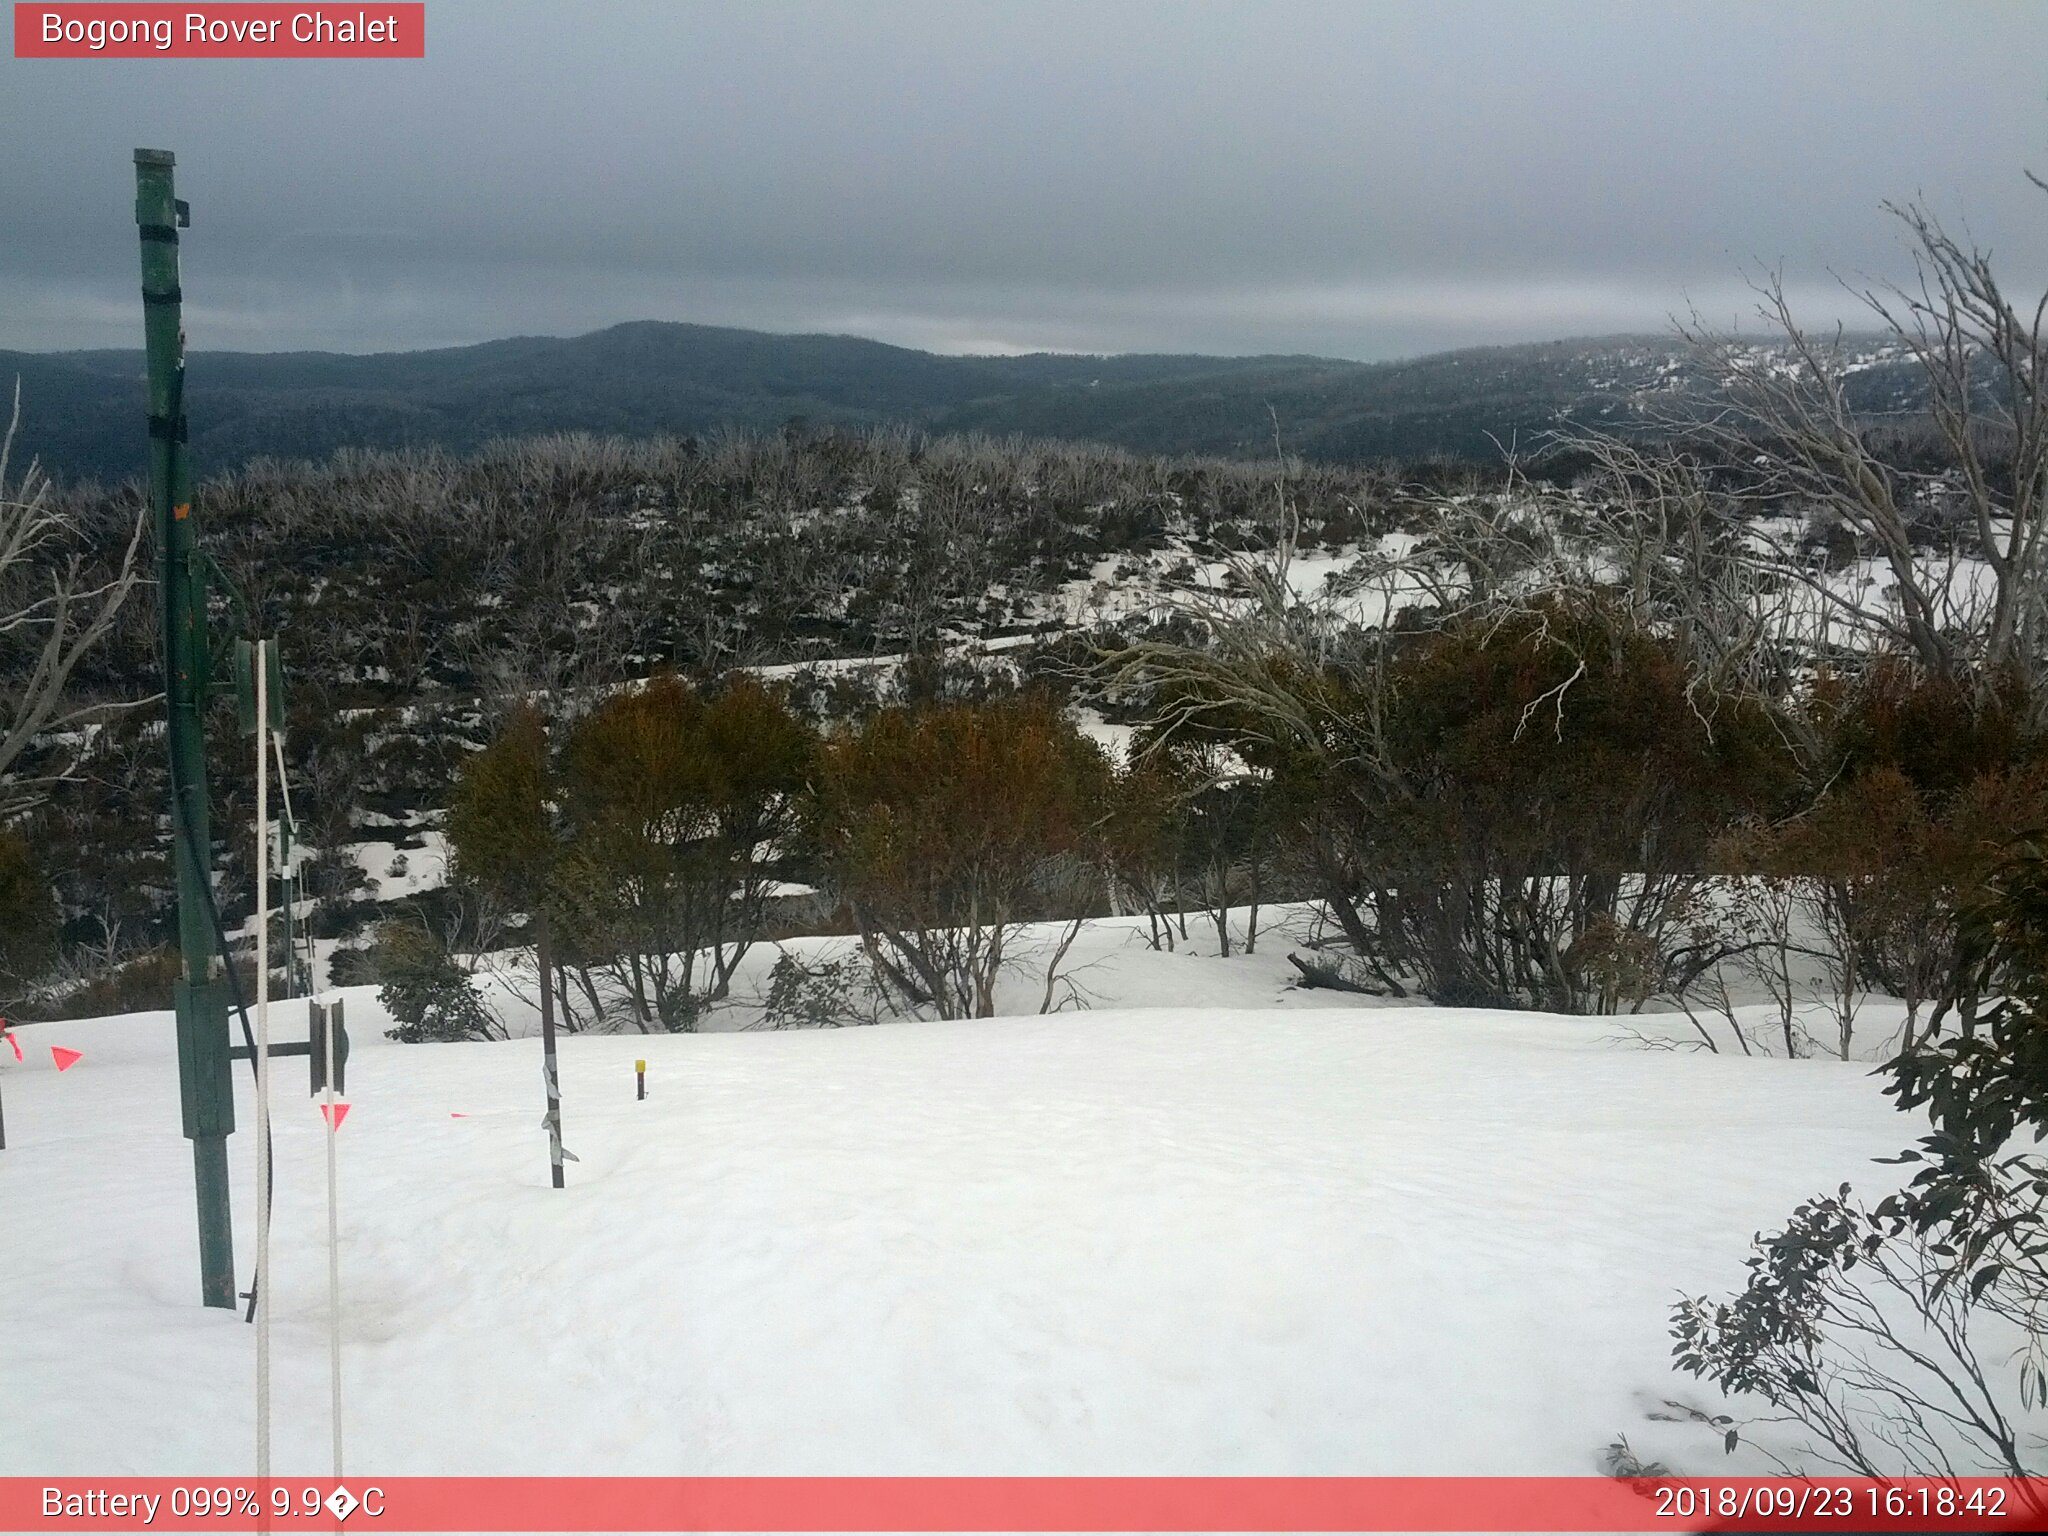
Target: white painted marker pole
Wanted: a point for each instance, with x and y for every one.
(333, 1253)
(262, 1073)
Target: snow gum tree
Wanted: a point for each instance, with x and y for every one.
(423, 988)
(675, 805)
(1913, 782)
(1542, 807)
(501, 829)
(1912, 1336)
(499, 823)
(646, 843)
(1140, 842)
(1513, 808)
(946, 829)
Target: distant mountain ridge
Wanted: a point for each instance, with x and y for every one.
(83, 411)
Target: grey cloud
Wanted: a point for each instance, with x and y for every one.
(1348, 179)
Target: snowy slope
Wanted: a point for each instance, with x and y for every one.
(1144, 1240)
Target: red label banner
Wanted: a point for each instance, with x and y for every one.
(264, 31)
(981, 1504)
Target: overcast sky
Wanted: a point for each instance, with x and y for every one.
(1351, 179)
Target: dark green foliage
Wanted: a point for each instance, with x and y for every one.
(1521, 811)
(1858, 1323)
(430, 996)
(1767, 1340)
(28, 916)
(1851, 1326)
(1986, 1085)
(499, 825)
(109, 858)
(826, 994)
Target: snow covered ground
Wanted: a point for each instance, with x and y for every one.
(1210, 1225)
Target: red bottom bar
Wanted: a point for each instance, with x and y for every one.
(585, 1504)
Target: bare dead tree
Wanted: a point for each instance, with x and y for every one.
(56, 604)
(1790, 423)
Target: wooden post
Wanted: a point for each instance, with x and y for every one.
(640, 1079)
(543, 953)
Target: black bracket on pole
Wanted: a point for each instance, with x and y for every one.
(320, 1017)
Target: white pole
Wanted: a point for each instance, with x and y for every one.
(263, 1072)
(333, 1248)
(284, 874)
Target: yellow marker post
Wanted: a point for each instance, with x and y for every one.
(640, 1078)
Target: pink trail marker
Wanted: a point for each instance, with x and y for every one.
(340, 1113)
(9, 1036)
(64, 1056)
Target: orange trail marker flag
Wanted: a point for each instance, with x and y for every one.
(9, 1036)
(334, 1113)
(64, 1056)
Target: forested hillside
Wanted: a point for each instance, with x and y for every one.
(83, 409)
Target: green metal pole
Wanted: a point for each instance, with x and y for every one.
(205, 1088)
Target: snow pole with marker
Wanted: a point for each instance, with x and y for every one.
(550, 1071)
